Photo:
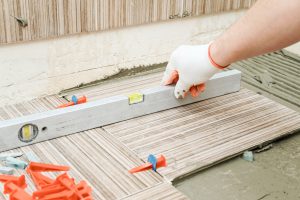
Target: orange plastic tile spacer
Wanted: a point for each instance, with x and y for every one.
(64, 187)
(65, 181)
(51, 189)
(83, 191)
(16, 192)
(80, 100)
(41, 181)
(161, 162)
(17, 180)
(42, 167)
(55, 194)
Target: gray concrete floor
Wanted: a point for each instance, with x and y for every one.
(275, 174)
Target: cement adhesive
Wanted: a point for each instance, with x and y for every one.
(274, 174)
(274, 75)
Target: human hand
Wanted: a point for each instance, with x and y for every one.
(189, 68)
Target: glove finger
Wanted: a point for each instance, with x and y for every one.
(170, 75)
(197, 89)
(201, 87)
(194, 91)
(173, 78)
(181, 89)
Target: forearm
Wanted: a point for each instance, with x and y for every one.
(268, 26)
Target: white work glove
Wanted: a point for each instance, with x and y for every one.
(190, 67)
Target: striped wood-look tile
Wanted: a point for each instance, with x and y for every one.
(198, 135)
(93, 155)
(163, 191)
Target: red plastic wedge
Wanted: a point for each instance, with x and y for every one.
(81, 100)
(41, 181)
(42, 167)
(16, 192)
(83, 191)
(17, 180)
(64, 188)
(55, 194)
(161, 162)
(64, 181)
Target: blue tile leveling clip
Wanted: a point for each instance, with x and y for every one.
(152, 159)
